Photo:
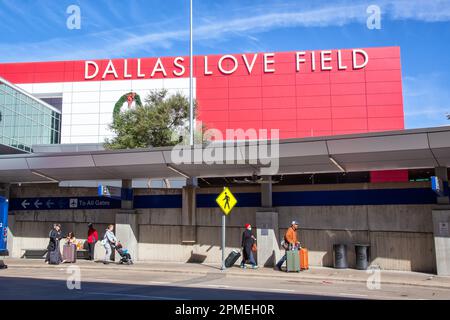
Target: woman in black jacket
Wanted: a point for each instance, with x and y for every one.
(53, 251)
(247, 243)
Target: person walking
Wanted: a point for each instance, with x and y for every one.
(92, 239)
(53, 249)
(290, 241)
(248, 240)
(109, 242)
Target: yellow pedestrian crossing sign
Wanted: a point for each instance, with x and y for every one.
(226, 200)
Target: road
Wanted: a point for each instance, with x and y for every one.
(124, 284)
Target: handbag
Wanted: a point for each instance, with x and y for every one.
(254, 247)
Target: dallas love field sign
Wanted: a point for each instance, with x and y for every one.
(228, 64)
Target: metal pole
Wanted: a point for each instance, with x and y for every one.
(191, 80)
(223, 242)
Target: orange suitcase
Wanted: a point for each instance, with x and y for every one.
(304, 265)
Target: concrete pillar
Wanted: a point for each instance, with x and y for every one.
(127, 231)
(266, 192)
(268, 239)
(127, 203)
(267, 227)
(441, 230)
(441, 172)
(127, 228)
(188, 214)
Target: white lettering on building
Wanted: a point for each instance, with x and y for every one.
(110, 69)
(324, 60)
(88, 76)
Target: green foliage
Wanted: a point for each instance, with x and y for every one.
(160, 121)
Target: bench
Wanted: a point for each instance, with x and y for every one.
(34, 253)
(40, 254)
(82, 254)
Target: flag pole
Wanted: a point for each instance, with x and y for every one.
(191, 80)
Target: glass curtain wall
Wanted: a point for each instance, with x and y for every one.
(26, 121)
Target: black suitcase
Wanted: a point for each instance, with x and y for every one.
(232, 258)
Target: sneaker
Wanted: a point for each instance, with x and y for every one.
(243, 266)
(255, 267)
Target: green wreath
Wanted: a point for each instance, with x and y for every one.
(134, 96)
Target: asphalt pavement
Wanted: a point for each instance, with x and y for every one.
(34, 280)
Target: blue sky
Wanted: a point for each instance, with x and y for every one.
(35, 30)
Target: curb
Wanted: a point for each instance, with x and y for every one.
(301, 278)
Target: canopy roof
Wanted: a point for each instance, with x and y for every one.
(405, 149)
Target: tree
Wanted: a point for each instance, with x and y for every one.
(163, 120)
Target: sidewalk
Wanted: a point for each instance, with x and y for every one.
(314, 274)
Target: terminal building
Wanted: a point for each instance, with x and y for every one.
(348, 171)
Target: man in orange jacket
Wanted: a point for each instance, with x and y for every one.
(290, 241)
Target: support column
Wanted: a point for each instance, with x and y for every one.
(266, 192)
(268, 239)
(267, 227)
(441, 227)
(188, 212)
(127, 225)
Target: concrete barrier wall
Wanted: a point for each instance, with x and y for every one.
(401, 236)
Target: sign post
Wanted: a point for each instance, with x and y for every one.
(226, 202)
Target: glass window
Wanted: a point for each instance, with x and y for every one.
(25, 122)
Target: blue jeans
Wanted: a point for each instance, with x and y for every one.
(282, 260)
(250, 258)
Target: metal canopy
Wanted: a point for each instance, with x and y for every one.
(405, 149)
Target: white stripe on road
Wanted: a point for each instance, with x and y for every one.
(158, 282)
(353, 294)
(217, 286)
(220, 286)
(282, 290)
(135, 296)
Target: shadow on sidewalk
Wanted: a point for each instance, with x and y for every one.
(16, 288)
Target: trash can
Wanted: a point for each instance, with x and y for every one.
(340, 256)
(362, 256)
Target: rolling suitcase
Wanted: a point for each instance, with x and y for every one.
(304, 264)
(292, 261)
(232, 258)
(69, 253)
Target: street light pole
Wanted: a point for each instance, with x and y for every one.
(191, 81)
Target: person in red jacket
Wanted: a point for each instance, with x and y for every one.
(91, 240)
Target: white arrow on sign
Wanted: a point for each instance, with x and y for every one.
(37, 203)
(49, 203)
(25, 203)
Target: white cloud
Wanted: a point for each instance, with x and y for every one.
(136, 38)
(425, 100)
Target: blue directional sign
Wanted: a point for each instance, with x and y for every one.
(109, 192)
(63, 203)
(438, 186)
(3, 225)
(115, 192)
